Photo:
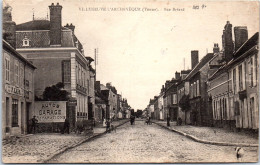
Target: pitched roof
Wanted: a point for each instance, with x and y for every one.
(35, 25)
(38, 33)
(248, 45)
(202, 62)
(251, 42)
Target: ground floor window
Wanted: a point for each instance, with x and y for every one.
(14, 113)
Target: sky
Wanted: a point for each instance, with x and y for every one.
(139, 50)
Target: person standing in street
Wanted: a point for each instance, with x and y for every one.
(34, 122)
(66, 127)
(168, 121)
(108, 125)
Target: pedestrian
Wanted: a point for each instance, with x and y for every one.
(108, 125)
(149, 120)
(66, 127)
(132, 119)
(34, 122)
(179, 121)
(168, 121)
(104, 123)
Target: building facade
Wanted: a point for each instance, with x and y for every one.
(243, 70)
(18, 92)
(54, 48)
(17, 83)
(197, 78)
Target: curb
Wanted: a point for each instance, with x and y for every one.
(205, 141)
(93, 137)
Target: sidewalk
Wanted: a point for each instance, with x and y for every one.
(38, 148)
(212, 135)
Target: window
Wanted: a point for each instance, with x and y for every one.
(82, 77)
(88, 85)
(250, 69)
(14, 113)
(66, 71)
(7, 68)
(26, 41)
(16, 73)
(234, 80)
(240, 79)
(191, 90)
(254, 70)
(198, 87)
(195, 89)
(84, 80)
(174, 99)
(79, 76)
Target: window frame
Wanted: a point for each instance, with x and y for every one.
(7, 68)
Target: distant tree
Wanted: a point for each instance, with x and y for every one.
(55, 93)
(184, 103)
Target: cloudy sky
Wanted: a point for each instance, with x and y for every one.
(140, 50)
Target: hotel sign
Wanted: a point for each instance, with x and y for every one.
(14, 90)
(50, 111)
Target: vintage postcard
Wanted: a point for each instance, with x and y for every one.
(119, 81)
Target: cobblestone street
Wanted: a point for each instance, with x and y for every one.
(35, 148)
(149, 144)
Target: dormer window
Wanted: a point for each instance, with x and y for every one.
(26, 41)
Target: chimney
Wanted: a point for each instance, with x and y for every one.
(215, 48)
(55, 24)
(167, 84)
(9, 27)
(241, 36)
(71, 27)
(194, 58)
(227, 42)
(177, 75)
(108, 85)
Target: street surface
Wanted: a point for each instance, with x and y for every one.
(142, 143)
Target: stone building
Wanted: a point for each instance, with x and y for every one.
(197, 79)
(234, 86)
(55, 49)
(170, 102)
(183, 89)
(244, 90)
(18, 92)
(17, 83)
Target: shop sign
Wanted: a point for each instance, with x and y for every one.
(50, 111)
(14, 90)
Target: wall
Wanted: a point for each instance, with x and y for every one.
(46, 62)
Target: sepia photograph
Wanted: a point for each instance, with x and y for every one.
(127, 81)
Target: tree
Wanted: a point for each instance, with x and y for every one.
(184, 103)
(55, 93)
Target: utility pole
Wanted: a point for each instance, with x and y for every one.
(96, 57)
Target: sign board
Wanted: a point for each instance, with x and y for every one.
(50, 111)
(14, 90)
